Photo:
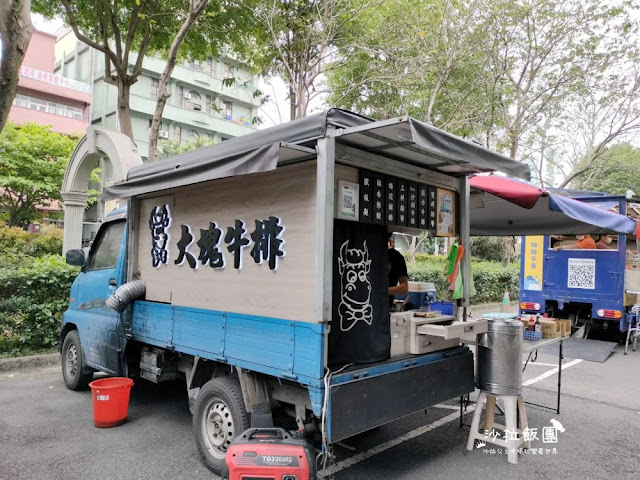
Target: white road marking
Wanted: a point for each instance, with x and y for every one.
(448, 407)
(550, 373)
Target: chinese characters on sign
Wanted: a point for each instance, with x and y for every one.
(388, 200)
(549, 435)
(55, 79)
(533, 262)
(267, 242)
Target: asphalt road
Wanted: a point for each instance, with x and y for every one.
(47, 432)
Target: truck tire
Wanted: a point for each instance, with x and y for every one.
(73, 363)
(220, 416)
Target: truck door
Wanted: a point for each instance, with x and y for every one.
(103, 273)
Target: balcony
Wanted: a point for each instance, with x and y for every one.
(227, 127)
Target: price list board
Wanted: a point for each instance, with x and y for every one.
(389, 200)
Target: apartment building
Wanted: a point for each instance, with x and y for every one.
(202, 104)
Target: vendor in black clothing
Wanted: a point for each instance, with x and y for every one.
(398, 276)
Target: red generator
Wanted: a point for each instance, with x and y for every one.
(270, 454)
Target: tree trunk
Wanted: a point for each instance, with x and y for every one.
(124, 112)
(15, 29)
(195, 9)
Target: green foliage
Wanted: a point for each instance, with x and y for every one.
(16, 241)
(490, 278)
(487, 248)
(33, 296)
(618, 171)
(33, 160)
(169, 148)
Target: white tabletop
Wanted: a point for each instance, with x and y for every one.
(530, 345)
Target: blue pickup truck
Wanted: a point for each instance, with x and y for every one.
(256, 271)
(593, 287)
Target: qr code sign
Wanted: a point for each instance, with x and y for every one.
(582, 273)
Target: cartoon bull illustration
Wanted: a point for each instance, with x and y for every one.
(354, 266)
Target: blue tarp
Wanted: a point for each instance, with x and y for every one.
(593, 215)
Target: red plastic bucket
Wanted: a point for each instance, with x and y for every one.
(110, 401)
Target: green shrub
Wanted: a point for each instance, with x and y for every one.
(34, 293)
(16, 241)
(490, 278)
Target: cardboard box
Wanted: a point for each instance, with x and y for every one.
(551, 328)
(632, 279)
(565, 326)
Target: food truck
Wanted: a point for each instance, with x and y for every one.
(590, 283)
(256, 271)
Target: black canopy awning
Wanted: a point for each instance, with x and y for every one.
(404, 139)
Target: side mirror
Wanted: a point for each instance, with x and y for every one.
(75, 258)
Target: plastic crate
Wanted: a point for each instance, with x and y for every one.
(445, 308)
(529, 335)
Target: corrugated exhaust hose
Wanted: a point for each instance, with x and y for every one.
(125, 294)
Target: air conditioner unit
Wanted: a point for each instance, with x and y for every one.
(163, 134)
(187, 96)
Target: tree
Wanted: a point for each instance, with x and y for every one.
(170, 148)
(597, 120)
(33, 160)
(126, 31)
(428, 64)
(617, 171)
(15, 33)
(303, 38)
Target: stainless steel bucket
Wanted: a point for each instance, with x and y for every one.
(499, 357)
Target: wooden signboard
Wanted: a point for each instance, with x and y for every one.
(243, 244)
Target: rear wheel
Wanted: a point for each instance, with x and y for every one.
(73, 363)
(220, 416)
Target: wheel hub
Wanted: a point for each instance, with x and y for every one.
(72, 360)
(219, 427)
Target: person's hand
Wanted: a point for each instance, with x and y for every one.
(557, 249)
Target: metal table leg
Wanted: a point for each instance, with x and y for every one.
(559, 375)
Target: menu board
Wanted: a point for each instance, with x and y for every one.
(378, 199)
(412, 219)
(366, 195)
(403, 202)
(389, 200)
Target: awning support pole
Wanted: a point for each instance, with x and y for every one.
(465, 240)
(326, 149)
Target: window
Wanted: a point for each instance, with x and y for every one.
(21, 101)
(583, 242)
(155, 83)
(178, 134)
(180, 97)
(193, 135)
(207, 105)
(104, 252)
(36, 104)
(194, 102)
(195, 66)
(227, 111)
(228, 71)
(49, 107)
(208, 67)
